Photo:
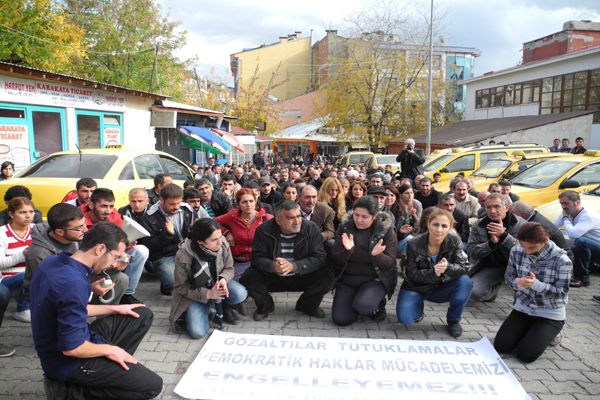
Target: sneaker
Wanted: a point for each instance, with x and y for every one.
(23, 316)
(166, 291)
(454, 329)
(380, 314)
(557, 339)
(130, 299)
(6, 351)
(575, 283)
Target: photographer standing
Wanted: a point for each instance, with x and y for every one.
(411, 161)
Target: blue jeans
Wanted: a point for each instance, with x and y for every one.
(196, 316)
(139, 254)
(409, 305)
(15, 285)
(165, 268)
(403, 245)
(4, 299)
(584, 250)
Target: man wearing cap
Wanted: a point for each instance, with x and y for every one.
(411, 162)
(380, 194)
(268, 194)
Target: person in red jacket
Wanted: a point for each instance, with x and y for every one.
(239, 226)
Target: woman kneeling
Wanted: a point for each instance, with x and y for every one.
(538, 271)
(436, 271)
(203, 274)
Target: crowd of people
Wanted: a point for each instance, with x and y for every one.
(251, 230)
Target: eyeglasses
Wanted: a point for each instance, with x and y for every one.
(79, 228)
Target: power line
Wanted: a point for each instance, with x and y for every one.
(113, 53)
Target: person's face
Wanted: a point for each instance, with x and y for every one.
(22, 216)
(84, 194)
(294, 175)
(388, 169)
(505, 190)
(361, 175)
(213, 242)
(289, 221)
(227, 185)
(170, 206)
(565, 143)
(238, 173)
(315, 174)
(408, 196)
(102, 209)
(333, 174)
(8, 171)
(460, 191)
(390, 198)
(362, 218)
(556, 142)
(532, 248)
(380, 200)
(285, 176)
(376, 181)
(205, 192)
(167, 180)
(73, 231)
(495, 189)
(357, 191)
(495, 210)
(109, 258)
(425, 187)
(266, 188)
(438, 227)
(194, 202)
(448, 205)
(138, 201)
(290, 193)
(578, 142)
(308, 199)
(569, 207)
(436, 178)
(218, 169)
(345, 186)
(247, 204)
(333, 192)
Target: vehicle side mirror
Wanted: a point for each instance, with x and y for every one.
(569, 184)
(444, 171)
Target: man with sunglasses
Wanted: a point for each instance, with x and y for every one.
(63, 232)
(94, 360)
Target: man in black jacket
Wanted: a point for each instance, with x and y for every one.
(288, 256)
(461, 221)
(411, 161)
(427, 195)
(214, 202)
(168, 222)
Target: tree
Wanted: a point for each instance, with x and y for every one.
(130, 44)
(36, 33)
(379, 88)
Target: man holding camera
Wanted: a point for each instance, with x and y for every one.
(411, 161)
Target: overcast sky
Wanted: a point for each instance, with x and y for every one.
(218, 28)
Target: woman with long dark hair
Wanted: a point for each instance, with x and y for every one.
(203, 275)
(357, 190)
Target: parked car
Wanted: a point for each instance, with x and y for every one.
(354, 158)
(381, 160)
(118, 169)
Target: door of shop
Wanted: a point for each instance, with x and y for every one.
(98, 129)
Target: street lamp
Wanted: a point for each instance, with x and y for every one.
(429, 83)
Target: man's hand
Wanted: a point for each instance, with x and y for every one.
(526, 281)
(230, 239)
(169, 227)
(120, 356)
(495, 229)
(98, 289)
(282, 266)
(127, 309)
(441, 266)
(347, 241)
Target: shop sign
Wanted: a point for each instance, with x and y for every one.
(14, 145)
(112, 136)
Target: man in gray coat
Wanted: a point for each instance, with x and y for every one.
(489, 245)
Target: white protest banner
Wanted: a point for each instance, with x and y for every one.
(266, 367)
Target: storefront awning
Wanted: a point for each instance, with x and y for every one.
(229, 138)
(205, 137)
(193, 141)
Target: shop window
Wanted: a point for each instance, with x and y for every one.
(12, 113)
(88, 131)
(112, 120)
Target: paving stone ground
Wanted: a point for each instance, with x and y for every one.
(568, 371)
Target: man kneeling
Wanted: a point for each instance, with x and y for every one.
(288, 256)
(97, 357)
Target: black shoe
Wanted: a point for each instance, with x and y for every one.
(317, 313)
(575, 283)
(596, 298)
(240, 309)
(380, 313)
(130, 299)
(454, 329)
(260, 315)
(166, 291)
(228, 315)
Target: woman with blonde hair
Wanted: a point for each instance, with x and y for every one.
(332, 194)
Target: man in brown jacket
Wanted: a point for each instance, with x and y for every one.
(318, 213)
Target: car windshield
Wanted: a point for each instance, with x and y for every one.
(387, 159)
(359, 158)
(71, 166)
(435, 164)
(492, 168)
(543, 174)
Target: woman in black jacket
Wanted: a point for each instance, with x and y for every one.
(436, 271)
(365, 254)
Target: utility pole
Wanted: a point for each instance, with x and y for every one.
(429, 83)
(153, 68)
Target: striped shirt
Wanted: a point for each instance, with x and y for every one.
(287, 248)
(209, 209)
(12, 259)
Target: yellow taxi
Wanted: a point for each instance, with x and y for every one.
(381, 160)
(354, 158)
(467, 159)
(543, 182)
(119, 169)
(589, 200)
(498, 169)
